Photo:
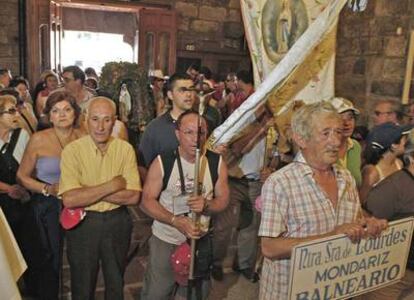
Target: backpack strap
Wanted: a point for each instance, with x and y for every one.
(213, 164)
(13, 139)
(168, 160)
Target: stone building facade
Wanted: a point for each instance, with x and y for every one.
(372, 49)
(9, 35)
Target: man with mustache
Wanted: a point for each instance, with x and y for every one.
(311, 198)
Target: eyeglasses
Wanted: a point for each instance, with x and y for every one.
(10, 111)
(381, 113)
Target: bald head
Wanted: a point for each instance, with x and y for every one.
(101, 119)
(101, 101)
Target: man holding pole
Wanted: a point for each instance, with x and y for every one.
(168, 198)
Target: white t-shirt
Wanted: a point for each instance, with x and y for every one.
(169, 233)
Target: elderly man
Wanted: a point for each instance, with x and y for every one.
(167, 197)
(385, 111)
(99, 173)
(309, 199)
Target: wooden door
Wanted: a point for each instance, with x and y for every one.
(157, 39)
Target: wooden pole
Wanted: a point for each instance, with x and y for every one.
(408, 71)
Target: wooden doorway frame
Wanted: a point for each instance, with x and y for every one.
(39, 20)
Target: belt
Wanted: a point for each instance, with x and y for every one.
(109, 213)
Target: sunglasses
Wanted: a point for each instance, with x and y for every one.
(10, 111)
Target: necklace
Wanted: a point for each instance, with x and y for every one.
(61, 144)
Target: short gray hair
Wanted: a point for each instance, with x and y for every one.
(303, 120)
(395, 105)
(101, 98)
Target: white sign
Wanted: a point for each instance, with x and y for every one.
(335, 268)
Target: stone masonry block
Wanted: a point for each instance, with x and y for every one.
(394, 68)
(359, 67)
(204, 26)
(6, 51)
(234, 15)
(390, 8)
(387, 88)
(233, 30)
(213, 13)
(3, 37)
(183, 24)
(234, 3)
(395, 46)
(187, 9)
(343, 65)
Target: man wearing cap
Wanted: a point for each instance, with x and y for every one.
(157, 85)
(385, 145)
(99, 173)
(159, 136)
(168, 198)
(392, 199)
(350, 149)
(310, 198)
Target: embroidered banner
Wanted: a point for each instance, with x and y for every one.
(292, 45)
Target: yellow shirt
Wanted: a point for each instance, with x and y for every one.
(83, 165)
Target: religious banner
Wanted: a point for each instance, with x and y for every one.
(12, 263)
(335, 268)
(292, 45)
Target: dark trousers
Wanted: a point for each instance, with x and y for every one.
(42, 247)
(100, 239)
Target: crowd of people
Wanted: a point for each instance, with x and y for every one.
(68, 172)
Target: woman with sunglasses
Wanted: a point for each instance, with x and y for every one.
(13, 141)
(40, 172)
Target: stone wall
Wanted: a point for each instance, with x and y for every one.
(212, 30)
(9, 33)
(372, 51)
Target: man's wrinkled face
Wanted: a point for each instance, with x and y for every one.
(182, 94)
(383, 113)
(101, 120)
(323, 145)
